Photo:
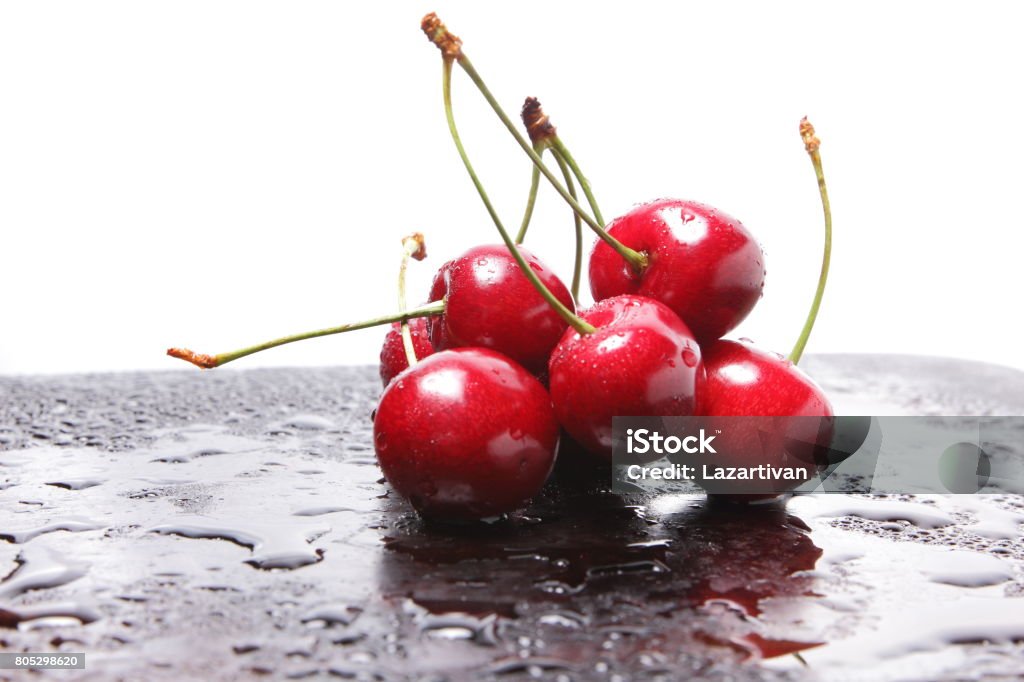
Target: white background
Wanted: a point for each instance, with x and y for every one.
(213, 174)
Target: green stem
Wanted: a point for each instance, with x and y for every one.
(210, 361)
(410, 245)
(531, 200)
(570, 318)
(812, 143)
(578, 264)
(559, 146)
(636, 259)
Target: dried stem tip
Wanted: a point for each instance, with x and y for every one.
(811, 141)
(537, 123)
(449, 43)
(415, 245)
(198, 359)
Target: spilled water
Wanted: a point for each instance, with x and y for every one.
(234, 524)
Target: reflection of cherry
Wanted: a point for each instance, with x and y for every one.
(689, 584)
(465, 434)
(702, 263)
(746, 556)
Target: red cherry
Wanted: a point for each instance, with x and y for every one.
(702, 263)
(465, 434)
(392, 354)
(490, 304)
(745, 381)
(642, 360)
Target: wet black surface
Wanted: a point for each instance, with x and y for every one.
(233, 525)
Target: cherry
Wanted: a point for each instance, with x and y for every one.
(465, 434)
(392, 354)
(641, 360)
(702, 263)
(490, 304)
(745, 381)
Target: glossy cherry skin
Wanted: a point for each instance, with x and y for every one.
(743, 380)
(392, 354)
(491, 304)
(465, 434)
(703, 264)
(641, 361)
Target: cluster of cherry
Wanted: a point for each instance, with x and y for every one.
(483, 381)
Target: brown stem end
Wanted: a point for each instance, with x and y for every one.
(537, 123)
(449, 43)
(415, 245)
(198, 359)
(811, 141)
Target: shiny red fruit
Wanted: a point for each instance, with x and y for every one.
(703, 264)
(392, 354)
(491, 304)
(641, 361)
(743, 380)
(465, 434)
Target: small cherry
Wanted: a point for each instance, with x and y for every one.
(410, 338)
(490, 304)
(465, 434)
(745, 381)
(392, 354)
(702, 263)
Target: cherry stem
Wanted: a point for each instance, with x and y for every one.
(578, 264)
(451, 47)
(563, 151)
(570, 318)
(413, 246)
(812, 143)
(531, 199)
(211, 361)
(636, 259)
(544, 135)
